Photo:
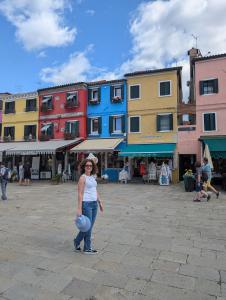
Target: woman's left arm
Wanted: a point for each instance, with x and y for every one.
(100, 202)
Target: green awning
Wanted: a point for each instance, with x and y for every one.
(217, 146)
(148, 150)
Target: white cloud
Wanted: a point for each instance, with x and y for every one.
(162, 33)
(39, 23)
(41, 54)
(90, 12)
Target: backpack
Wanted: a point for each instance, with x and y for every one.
(7, 174)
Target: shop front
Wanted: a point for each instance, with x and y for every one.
(106, 150)
(45, 158)
(146, 160)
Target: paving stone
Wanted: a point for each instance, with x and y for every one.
(198, 271)
(79, 272)
(135, 285)
(110, 279)
(223, 289)
(173, 256)
(172, 279)
(81, 289)
(55, 282)
(208, 287)
(223, 276)
(165, 265)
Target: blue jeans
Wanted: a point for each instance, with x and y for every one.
(3, 187)
(89, 209)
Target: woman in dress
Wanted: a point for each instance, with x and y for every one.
(88, 200)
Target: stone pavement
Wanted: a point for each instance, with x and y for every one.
(154, 244)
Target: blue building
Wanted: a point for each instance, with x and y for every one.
(106, 125)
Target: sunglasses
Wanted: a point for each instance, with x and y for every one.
(89, 166)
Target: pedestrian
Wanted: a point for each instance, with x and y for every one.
(200, 193)
(88, 200)
(27, 173)
(4, 177)
(206, 170)
(21, 173)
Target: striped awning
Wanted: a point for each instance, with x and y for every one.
(34, 148)
(97, 145)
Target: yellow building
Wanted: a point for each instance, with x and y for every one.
(153, 97)
(20, 117)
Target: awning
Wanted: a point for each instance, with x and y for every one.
(34, 148)
(46, 99)
(217, 146)
(97, 145)
(45, 127)
(148, 150)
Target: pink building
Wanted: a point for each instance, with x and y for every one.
(207, 103)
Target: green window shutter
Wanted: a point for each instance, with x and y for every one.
(6, 131)
(13, 131)
(110, 124)
(111, 93)
(122, 91)
(26, 130)
(201, 89)
(77, 128)
(34, 128)
(212, 122)
(99, 95)
(215, 86)
(158, 120)
(207, 122)
(171, 121)
(123, 123)
(89, 95)
(88, 126)
(100, 125)
(66, 127)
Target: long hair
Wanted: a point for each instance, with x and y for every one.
(83, 163)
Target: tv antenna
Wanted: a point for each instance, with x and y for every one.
(196, 40)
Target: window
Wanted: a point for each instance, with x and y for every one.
(118, 91)
(209, 121)
(208, 86)
(30, 105)
(164, 88)
(47, 129)
(94, 95)
(95, 126)
(165, 122)
(9, 133)
(135, 92)
(72, 99)
(117, 124)
(135, 124)
(30, 132)
(72, 128)
(47, 103)
(10, 107)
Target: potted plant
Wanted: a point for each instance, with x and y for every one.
(56, 179)
(189, 180)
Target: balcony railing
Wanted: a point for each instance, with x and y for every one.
(71, 104)
(27, 109)
(29, 138)
(8, 138)
(45, 137)
(69, 136)
(9, 111)
(45, 108)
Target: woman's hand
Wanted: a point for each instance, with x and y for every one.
(101, 205)
(78, 212)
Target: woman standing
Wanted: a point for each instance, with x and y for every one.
(88, 200)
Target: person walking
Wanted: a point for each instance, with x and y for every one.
(27, 174)
(206, 170)
(4, 177)
(21, 173)
(88, 200)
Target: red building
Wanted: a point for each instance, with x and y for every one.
(62, 112)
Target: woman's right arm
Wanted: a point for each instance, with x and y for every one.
(81, 186)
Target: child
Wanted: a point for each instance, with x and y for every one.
(200, 180)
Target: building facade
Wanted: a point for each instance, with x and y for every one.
(20, 117)
(62, 112)
(153, 98)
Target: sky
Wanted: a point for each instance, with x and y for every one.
(52, 42)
